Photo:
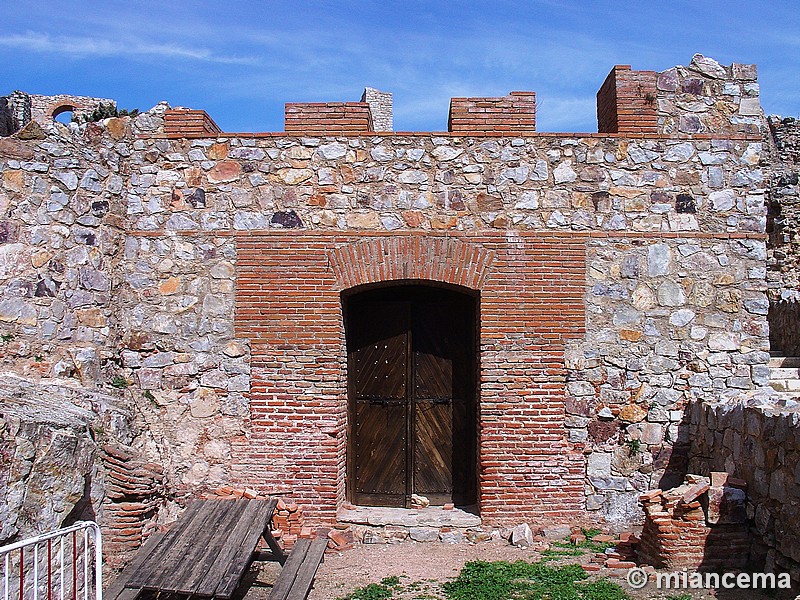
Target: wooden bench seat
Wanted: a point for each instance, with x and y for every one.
(297, 575)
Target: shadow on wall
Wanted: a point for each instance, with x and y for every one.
(784, 327)
(675, 459)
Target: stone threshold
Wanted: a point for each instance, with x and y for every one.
(432, 516)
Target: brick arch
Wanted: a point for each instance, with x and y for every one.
(60, 108)
(443, 259)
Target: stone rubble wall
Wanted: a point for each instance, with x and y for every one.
(19, 108)
(433, 182)
(43, 108)
(783, 223)
(784, 327)
(783, 226)
(760, 445)
(707, 97)
(119, 254)
(15, 112)
(668, 322)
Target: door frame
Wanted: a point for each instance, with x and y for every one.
(473, 297)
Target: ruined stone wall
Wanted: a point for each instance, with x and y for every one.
(19, 108)
(706, 96)
(761, 445)
(15, 112)
(784, 236)
(44, 108)
(622, 277)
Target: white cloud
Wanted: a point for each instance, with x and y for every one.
(99, 47)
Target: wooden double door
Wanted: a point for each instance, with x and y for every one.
(412, 396)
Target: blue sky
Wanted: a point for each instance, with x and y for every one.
(241, 60)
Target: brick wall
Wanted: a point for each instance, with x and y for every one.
(626, 102)
(327, 117)
(513, 113)
(288, 305)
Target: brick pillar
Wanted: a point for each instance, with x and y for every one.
(380, 106)
(626, 102)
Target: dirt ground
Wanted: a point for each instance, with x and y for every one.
(422, 567)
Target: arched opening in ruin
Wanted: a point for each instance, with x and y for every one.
(63, 113)
(412, 370)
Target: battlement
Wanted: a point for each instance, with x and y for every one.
(704, 98)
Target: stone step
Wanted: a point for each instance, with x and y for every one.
(380, 525)
(785, 385)
(432, 516)
(784, 361)
(784, 372)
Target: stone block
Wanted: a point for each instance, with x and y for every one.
(726, 505)
(522, 536)
(599, 464)
(424, 534)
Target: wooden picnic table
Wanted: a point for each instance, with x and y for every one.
(206, 552)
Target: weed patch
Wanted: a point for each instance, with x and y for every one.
(375, 591)
(528, 581)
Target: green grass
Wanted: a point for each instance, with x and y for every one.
(119, 382)
(375, 591)
(566, 548)
(681, 597)
(502, 580)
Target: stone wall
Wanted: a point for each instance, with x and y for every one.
(761, 445)
(783, 227)
(380, 106)
(15, 112)
(708, 97)
(668, 321)
(18, 109)
(657, 336)
(45, 108)
(784, 327)
(621, 277)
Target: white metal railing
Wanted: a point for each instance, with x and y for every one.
(66, 564)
